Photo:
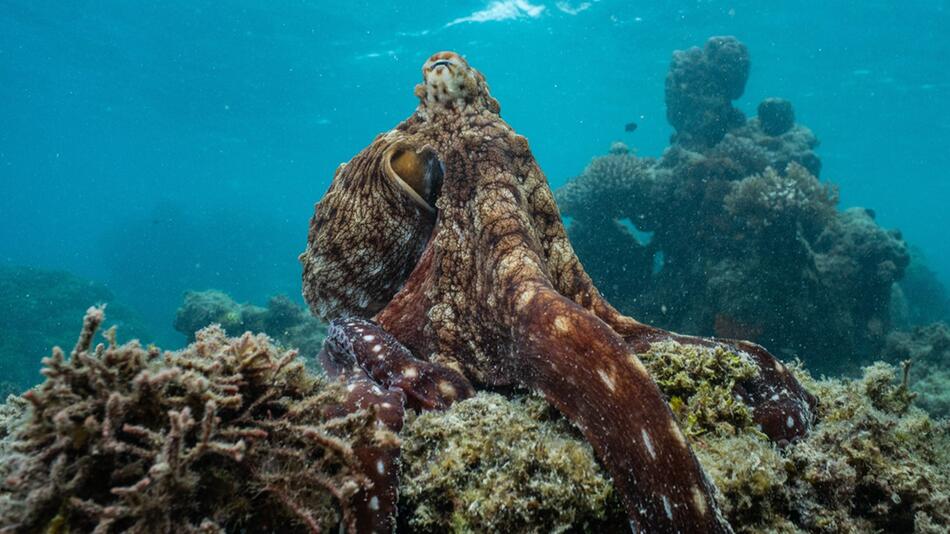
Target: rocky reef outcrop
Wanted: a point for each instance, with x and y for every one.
(229, 434)
(700, 87)
(730, 232)
(38, 309)
(873, 463)
(212, 439)
(286, 322)
(926, 349)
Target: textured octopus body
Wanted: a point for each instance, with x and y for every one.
(497, 294)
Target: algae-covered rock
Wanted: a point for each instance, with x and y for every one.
(699, 383)
(872, 463)
(490, 464)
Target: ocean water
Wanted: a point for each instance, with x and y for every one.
(158, 147)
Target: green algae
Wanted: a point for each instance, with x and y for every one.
(699, 383)
(873, 462)
(490, 464)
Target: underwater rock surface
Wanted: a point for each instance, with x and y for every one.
(212, 438)
(38, 310)
(731, 233)
(873, 463)
(927, 348)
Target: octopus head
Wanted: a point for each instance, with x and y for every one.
(370, 228)
(450, 84)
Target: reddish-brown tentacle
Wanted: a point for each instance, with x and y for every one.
(427, 385)
(589, 373)
(374, 504)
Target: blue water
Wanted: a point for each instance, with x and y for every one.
(173, 145)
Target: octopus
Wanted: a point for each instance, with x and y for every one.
(440, 258)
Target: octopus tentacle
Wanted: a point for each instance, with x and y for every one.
(379, 373)
(427, 385)
(588, 372)
(374, 503)
(781, 407)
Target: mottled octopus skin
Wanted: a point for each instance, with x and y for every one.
(381, 374)
(497, 293)
(374, 505)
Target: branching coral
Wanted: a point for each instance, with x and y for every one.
(125, 438)
(778, 207)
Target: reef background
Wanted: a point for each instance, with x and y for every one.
(173, 146)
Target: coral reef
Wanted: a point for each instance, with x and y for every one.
(731, 232)
(211, 438)
(927, 348)
(776, 116)
(283, 320)
(873, 463)
(919, 297)
(494, 465)
(700, 87)
(37, 310)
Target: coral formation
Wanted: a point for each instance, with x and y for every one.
(37, 311)
(927, 348)
(211, 438)
(283, 320)
(700, 88)
(731, 232)
(494, 465)
(776, 116)
(873, 463)
(919, 297)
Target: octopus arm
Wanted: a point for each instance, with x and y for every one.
(374, 504)
(588, 372)
(427, 385)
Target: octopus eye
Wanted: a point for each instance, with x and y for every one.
(419, 174)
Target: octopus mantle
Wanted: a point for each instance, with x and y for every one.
(439, 254)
